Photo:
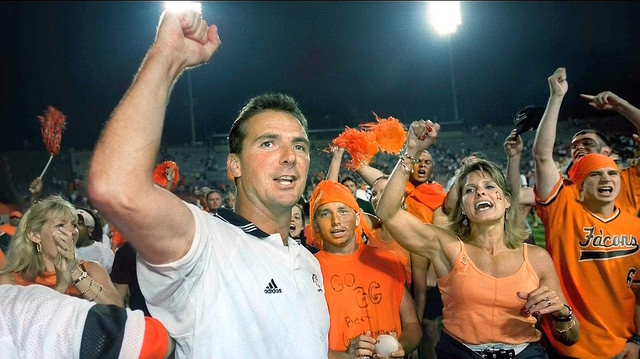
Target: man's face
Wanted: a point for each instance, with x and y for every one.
(214, 201)
(351, 186)
(585, 144)
(336, 222)
(84, 232)
(273, 165)
(601, 186)
(170, 175)
(231, 200)
(617, 159)
(422, 170)
(296, 226)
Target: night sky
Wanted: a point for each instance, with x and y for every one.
(340, 60)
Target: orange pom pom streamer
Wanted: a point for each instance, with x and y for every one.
(389, 133)
(51, 126)
(360, 145)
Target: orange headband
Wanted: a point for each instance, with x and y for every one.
(330, 191)
(587, 164)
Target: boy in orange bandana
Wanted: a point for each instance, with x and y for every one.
(364, 286)
(593, 244)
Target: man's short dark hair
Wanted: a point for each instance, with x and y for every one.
(348, 178)
(600, 135)
(257, 105)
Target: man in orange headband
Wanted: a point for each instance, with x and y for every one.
(592, 241)
(364, 286)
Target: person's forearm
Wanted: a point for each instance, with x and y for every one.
(513, 174)
(338, 355)
(630, 112)
(369, 174)
(135, 127)
(391, 198)
(546, 134)
(411, 337)
(333, 172)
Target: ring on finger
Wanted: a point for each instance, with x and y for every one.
(548, 303)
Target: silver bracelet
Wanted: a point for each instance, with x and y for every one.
(405, 168)
(404, 154)
(562, 331)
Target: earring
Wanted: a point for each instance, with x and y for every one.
(506, 215)
(39, 247)
(465, 220)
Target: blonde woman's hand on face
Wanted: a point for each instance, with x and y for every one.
(66, 257)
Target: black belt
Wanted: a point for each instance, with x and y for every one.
(497, 353)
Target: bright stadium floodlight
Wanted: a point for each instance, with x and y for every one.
(444, 16)
(182, 5)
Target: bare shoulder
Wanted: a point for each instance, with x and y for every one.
(450, 243)
(94, 268)
(539, 257)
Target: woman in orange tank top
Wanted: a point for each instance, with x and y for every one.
(494, 288)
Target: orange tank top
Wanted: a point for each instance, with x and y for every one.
(481, 309)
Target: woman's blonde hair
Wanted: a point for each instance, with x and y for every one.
(23, 257)
(514, 225)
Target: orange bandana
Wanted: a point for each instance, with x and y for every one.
(429, 194)
(587, 164)
(330, 191)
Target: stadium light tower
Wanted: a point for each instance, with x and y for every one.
(178, 6)
(445, 17)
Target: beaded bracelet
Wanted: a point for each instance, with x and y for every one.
(562, 331)
(405, 168)
(404, 154)
(89, 287)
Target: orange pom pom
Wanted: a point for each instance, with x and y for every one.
(360, 145)
(51, 126)
(389, 133)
